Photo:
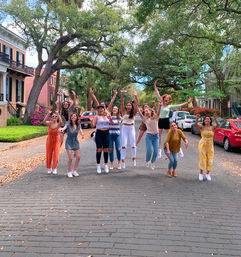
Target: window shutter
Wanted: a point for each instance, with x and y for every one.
(11, 54)
(10, 89)
(23, 59)
(22, 93)
(17, 57)
(16, 90)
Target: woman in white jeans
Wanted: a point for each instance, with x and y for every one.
(128, 129)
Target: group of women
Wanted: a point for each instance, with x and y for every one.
(115, 127)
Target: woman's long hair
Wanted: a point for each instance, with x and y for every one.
(76, 122)
(131, 115)
(207, 116)
(117, 115)
(65, 111)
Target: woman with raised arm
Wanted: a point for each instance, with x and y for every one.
(172, 147)
(53, 141)
(150, 119)
(66, 109)
(205, 146)
(164, 115)
(115, 138)
(72, 144)
(142, 127)
(102, 123)
(128, 112)
(109, 107)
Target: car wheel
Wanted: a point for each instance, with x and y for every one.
(226, 144)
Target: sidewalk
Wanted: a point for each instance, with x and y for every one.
(21, 157)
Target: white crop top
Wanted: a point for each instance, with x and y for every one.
(127, 120)
(102, 123)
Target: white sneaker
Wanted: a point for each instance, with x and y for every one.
(208, 177)
(69, 174)
(49, 171)
(200, 177)
(181, 154)
(106, 168)
(134, 163)
(147, 164)
(55, 171)
(75, 173)
(98, 169)
(159, 156)
(123, 165)
(152, 166)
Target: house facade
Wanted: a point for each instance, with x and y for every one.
(47, 92)
(13, 72)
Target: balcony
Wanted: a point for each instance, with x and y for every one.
(16, 66)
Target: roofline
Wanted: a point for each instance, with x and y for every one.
(12, 33)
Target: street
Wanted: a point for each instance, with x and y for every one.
(132, 212)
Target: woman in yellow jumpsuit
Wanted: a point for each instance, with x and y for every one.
(205, 146)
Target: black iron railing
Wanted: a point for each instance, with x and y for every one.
(16, 66)
(12, 110)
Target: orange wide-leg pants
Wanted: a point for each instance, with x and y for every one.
(52, 151)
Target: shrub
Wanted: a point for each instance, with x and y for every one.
(38, 116)
(14, 121)
(202, 111)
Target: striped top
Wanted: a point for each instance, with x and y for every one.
(115, 129)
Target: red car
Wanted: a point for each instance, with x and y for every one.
(228, 134)
(86, 117)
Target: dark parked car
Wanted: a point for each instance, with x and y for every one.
(228, 134)
(195, 129)
(86, 117)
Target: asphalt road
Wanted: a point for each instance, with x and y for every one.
(134, 212)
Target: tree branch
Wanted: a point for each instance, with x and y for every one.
(85, 65)
(212, 39)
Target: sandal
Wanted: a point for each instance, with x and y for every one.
(174, 174)
(169, 175)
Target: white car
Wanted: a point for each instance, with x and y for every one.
(186, 121)
(177, 115)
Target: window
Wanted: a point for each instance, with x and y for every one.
(9, 89)
(20, 58)
(6, 50)
(19, 91)
(51, 80)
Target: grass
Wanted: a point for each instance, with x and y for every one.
(20, 133)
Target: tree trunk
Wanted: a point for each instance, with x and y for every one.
(224, 106)
(38, 84)
(89, 101)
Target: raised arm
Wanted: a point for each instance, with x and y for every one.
(122, 102)
(217, 123)
(139, 111)
(45, 121)
(196, 121)
(94, 97)
(159, 108)
(156, 90)
(74, 100)
(136, 101)
(112, 101)
(189, 101)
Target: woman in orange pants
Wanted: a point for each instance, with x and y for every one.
(53, 141)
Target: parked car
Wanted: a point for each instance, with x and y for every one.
(86, 117)
(177, 115)
(196, 130)
(228, 134)
(186, 121)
